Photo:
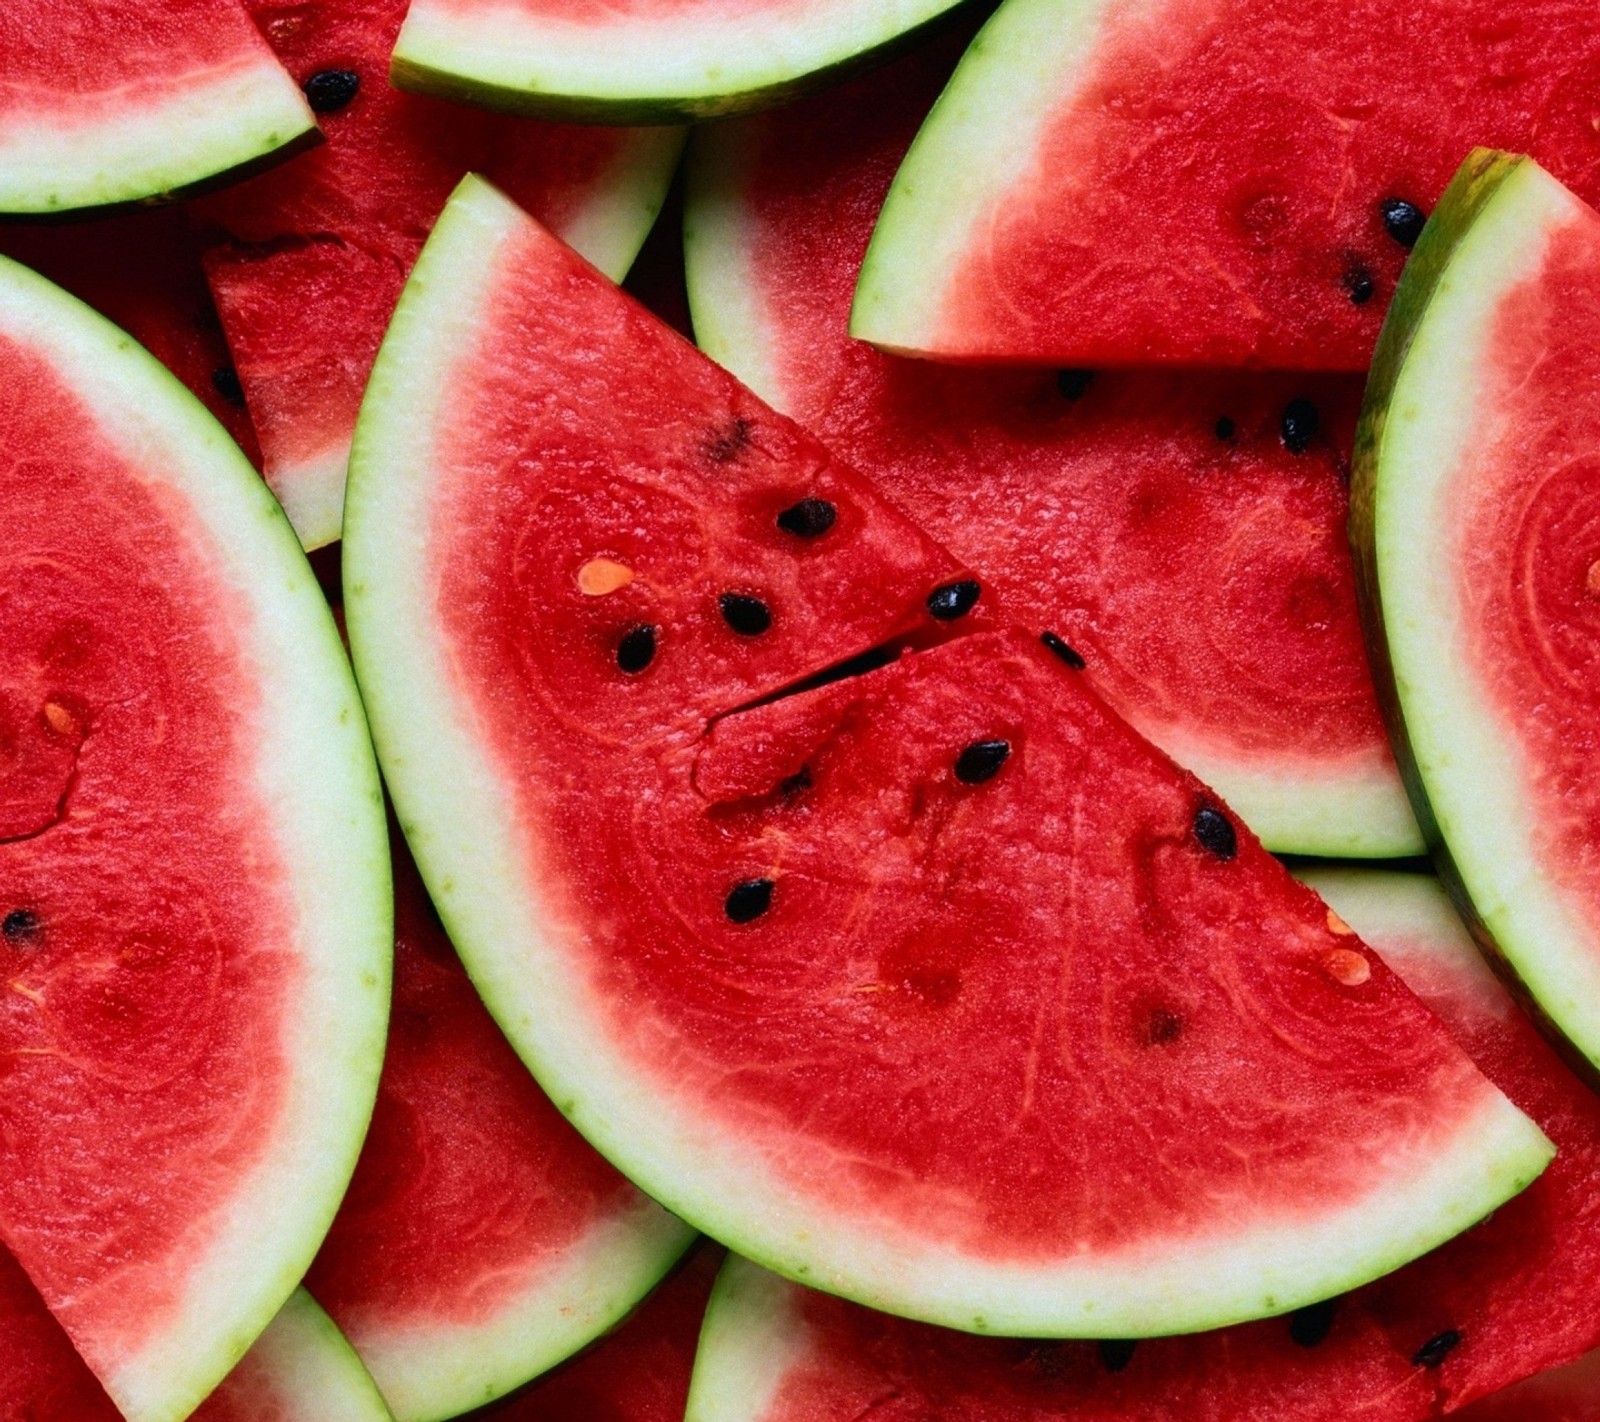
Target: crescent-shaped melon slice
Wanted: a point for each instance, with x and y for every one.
(194, 882)
(934, 984)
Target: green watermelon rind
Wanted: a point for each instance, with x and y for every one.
(609, 229)
(459, 820)
(1339, 810)
(1418, 406)
(627, 73)
(207, 136)
(315, 1372)
(751, 1337)
(975, 147)
(319, 787)
(430, 1374)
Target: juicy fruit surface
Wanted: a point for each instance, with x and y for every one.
(1205, 183)
(1569, 1394)
(41, 1378)
(472, 1198)
(1089, 503)
(1513, 1295)
(319, 249)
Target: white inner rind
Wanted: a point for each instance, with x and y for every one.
(697, 54)
(1472, 762)
(1348, 807)
(319, 800)
(121, 147)
(753, 1337)
(969, 165)
(314, 1373)
(433, 1372)
(461, 821)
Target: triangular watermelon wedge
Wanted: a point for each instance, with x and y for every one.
(195, 917)
(123, 101)
(1220, 184)
(935, 985)
(1516, 1294)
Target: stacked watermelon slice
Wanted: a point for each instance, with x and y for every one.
(830, 778)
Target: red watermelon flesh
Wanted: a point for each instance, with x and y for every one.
(1515, 1294)
(1569, 1394)
(638, 1373)
(41, 1378)
(1206, 184)
(1159, 523)
(320, 248)
(476, 1210)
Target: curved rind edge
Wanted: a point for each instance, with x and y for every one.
(321, 1377)
(751, 1337)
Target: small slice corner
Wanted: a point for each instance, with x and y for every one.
(1476, 519)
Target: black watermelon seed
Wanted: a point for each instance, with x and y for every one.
(1436, 1349)
(1308, 1326)
(1402, 220)
(1299, 426)
(952, 600)
(225, 381)
(727, 445)
(1212, 829)
(1225, 428)
(981, 761)
(329, 90)
(748, 616)
(1073, 383)
(1358, 283)
(810, 518)
(1117, 1353)
(1064, 650)
(20, 925)
(749, 900)
(1163, 1027)
(792, 785)
(637, 649)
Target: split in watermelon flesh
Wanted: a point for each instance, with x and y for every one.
(482, 1240)
(647, 61)
(299, 1370)
(116, 102)
(1476, 510)
(1517, 1293)
(1568, 1394)
(195, 919)
(1233, 183)
(1184, 533)
(307, 261)
(869, 980)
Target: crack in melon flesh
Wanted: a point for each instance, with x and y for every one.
(937, 986)
(644, 61)
(1158, 522)
(1205, 182)
(1519, 1291)
(195, 916)
(119, 102)
(1476, 512)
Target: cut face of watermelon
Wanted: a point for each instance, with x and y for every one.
(1208, 184)
(482, 1240)
(125, 101)
(1476, 509)
(645, 61)
(1515, 1294)
(196, 919)
(1184, 534)
(1569, 1394)
(869, 979)
(316, 253)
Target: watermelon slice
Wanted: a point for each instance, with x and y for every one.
(1569, 1394)
(482, 1240)
(639, 1373)
(1093, 504)
(806, 968)
(196, 910)
(1517, 1293)
(641, 61)
(1477, 513)
(1220, 184)
(124, 101)
(299, 1370)
(314, 254)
